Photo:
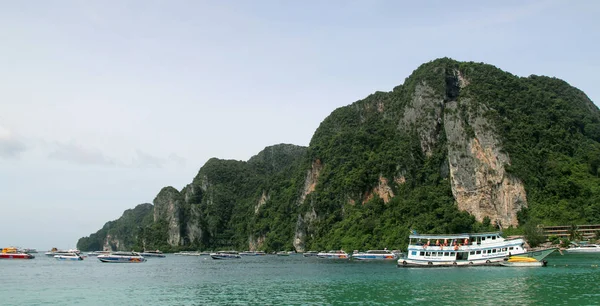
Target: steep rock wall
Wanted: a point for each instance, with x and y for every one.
(167, 207)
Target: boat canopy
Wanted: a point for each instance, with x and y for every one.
(453, 236)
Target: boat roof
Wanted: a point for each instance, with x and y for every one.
(453, 236)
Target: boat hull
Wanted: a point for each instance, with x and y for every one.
(374, 257)
(153, 255)
(542, 263)
(227, 256)
(69, 258)
(16, 256)
(121, 259)
(408, 263)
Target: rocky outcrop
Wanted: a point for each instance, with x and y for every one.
(424, 114)
(263, 199)
(382, 190)
(192, 195)
(312, 178)
(477, 162)
(112, 243)
(167, 207)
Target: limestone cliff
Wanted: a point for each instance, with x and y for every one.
(168, 207)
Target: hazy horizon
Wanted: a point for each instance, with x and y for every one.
(105, 103)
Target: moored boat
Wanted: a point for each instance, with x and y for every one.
(71, 256)
(584, 248)
(459, 250)
(310, 254)
(122, 257)
(225, 255)
(334, 254)
(14, 253)
(251, 253)
(374, 255)
(96, 253)
(528, 259)
(56, 251)
(155, 253)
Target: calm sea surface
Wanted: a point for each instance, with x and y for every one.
(271, 280)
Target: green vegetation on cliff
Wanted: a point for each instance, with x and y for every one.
(455, 137)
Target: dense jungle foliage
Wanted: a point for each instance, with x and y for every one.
(550, 131)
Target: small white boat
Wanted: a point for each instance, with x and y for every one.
(225, 255)
(339, 254)
(374, 255)
(310, 254)
(584, 248)
(122, 257)
(68, 256)
(155, 253)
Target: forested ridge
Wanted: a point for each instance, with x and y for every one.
(452, 133)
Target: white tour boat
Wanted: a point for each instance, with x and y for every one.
(459, 250)
(374, 255)
(333, 255)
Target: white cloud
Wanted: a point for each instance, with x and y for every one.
(76, 153)
(10, 147)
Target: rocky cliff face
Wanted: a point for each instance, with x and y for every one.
(455, 144)
(476, 158)
(168, 207)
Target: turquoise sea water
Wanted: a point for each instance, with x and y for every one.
(295, 280)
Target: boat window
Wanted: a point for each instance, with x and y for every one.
(440, 254)
(478, 252)
(510, 248)
(494, 251)
(493, 237)
(482, 238)
(427, 253)
(414, 252)
(422, 253)
(452, 254)
(489, 237)
(489, 251)
(503, 249)
(446, 254)
(472, 253)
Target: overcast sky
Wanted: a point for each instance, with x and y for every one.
(103, 103)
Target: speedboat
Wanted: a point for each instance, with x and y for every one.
(156, 253)
(459, 250)
(375, 255)
(122, 257)
(584, 248)
(13, 253)
(339, 254)
(283, 253)
(310, 254)
(225, 255)
(70, 256)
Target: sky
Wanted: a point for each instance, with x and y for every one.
(103, 103)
